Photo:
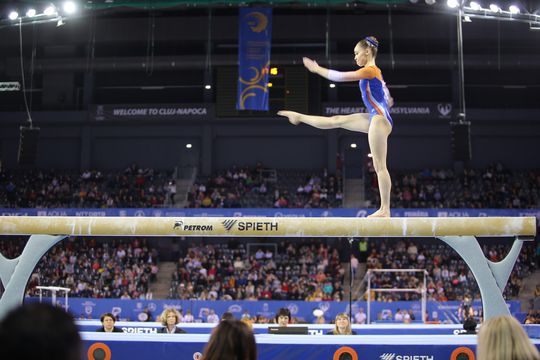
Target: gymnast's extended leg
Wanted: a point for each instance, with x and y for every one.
(354, 122)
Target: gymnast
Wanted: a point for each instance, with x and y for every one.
(377, 122)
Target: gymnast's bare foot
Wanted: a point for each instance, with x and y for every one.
(381, 213)
(294, 117)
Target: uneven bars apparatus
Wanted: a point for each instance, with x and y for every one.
(459, 233)
(53, 290)
(421, 290)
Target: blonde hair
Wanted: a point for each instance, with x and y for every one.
(503, 338)
(247, 321)
(166, 312)
(370, 43)
(348, 330)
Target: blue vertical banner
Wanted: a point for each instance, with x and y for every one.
(255, 39)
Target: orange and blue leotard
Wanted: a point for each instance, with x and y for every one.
(374, 92)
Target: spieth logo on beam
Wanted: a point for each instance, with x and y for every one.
(250, 225)
(228, 224)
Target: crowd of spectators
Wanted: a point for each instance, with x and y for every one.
(102, 268)
(133, 187)
(259, 186)
(307, 270)
(449, 278)
(492, 187)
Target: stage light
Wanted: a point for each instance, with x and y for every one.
(13, 15)
(270, 84)
(189, 146)
(514, 9)
(353, 146)
(475, 6)
(430, 2)
(49, 10)
(452, 3)
(70, 7)
(208, 86)
(494, 8)
(274, 71)
(332, 85)
(369, 155)
(31, 13)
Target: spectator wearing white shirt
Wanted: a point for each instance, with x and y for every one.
(188, 318)
(360, 316)
(399, 316)
(212, 317)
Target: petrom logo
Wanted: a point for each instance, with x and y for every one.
(228, 224)
(179, 224)
(387, 356)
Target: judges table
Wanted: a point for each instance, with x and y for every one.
(135, 327)
(286, 347)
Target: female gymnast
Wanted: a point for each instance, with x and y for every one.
(377, 122)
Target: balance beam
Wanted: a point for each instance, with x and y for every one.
(268, 227)
(459, 233)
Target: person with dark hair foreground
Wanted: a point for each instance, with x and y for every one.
(231, 340)
(503, 338)
(39, 331)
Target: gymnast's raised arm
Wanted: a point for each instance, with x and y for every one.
(339, 76)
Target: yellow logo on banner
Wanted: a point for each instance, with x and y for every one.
(258, 22)
(253, 84)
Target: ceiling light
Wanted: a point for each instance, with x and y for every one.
(475, 6)
(13, 15)
(514, 9)
(332, 85)
(49, 11)
(452, 3)
(31, 12)
(70, 7)
(494, 8)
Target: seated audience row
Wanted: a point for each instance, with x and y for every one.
(134, 187)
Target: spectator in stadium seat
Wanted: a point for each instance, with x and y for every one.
(342, 326)
(39, 331)
(169, 318)
(227, 315)
(360, 316)
(107, 321)
(231, 340)
(212, 317)
(503, 338)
